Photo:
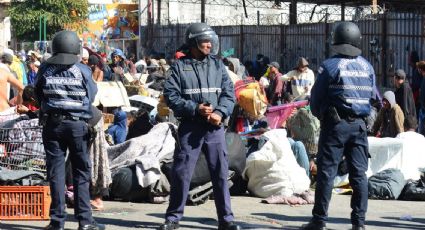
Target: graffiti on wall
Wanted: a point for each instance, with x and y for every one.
(110, 21)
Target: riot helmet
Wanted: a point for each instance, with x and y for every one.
(197, 33)
(346, 38)
(65, 48)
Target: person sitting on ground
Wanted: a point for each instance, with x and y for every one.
(156, 78)
(131, 64)
(118, 65)
(139, 124)
(301, 78)
(29, 105)
(410, 134)
(93, 63)
(164, 66)
(141, 65)
(404, 94)
(390, 118)
(85, 57)
(118, 130)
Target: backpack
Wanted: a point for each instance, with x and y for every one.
(306, 128)
(386, 185)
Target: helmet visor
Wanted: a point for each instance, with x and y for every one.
(210, 37)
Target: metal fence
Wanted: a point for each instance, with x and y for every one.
(388, 40)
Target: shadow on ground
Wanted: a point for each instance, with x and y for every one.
(415, 223)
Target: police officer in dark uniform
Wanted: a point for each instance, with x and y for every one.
(340, 99)
(200, 92)
(65, 91)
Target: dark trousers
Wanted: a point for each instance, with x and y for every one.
(195, 136)
(349, 139)
(57, 138)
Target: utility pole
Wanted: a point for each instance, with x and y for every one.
(293, 12)
(203, 11)
(139, 23)
(374, 6)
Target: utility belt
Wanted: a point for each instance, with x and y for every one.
(57, 118)
(196, 119)
(337, 115)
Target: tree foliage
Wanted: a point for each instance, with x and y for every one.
(60, 14)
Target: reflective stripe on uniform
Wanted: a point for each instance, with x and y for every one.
(202, 90)
(64, 92)
(358, 100)
(352, 87)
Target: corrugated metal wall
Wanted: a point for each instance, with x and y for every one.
(387, 42)
(305, 40)
(404, 34)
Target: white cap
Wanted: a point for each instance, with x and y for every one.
(85, 53)
(8, 51)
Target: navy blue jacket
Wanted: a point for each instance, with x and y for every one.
(343, 82)
(66, 89)
(191, 82)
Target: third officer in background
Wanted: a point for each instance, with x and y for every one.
(340, 99)
(200, 92)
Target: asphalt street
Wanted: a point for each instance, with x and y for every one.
(250, 213)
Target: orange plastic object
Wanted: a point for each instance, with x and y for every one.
(24, 202)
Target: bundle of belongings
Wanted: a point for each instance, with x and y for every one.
(273, 172)
(395, 169)
(141, 167)
(250, 97)
(143, 155)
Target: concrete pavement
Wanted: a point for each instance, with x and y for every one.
(250, 213)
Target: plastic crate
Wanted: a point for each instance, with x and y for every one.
(24, 202)
(276, 115)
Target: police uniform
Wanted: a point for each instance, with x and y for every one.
(340, 98)
(65, 91)
(192, 82)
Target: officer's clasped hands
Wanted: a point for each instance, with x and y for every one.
(214, 119)
(205, 110)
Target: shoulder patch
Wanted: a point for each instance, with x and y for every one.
(320, 70)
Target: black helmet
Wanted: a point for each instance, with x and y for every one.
(65, 48)
(346, 39)
(198, 32)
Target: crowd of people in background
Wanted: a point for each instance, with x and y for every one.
(398, 111)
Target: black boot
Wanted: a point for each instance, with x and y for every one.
(52, 227)
(313, 226)
(92, 226)
(359, 227)
(169, 225)
(229, 226)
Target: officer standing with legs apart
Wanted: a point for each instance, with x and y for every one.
(65, 91)
(340, 99)
(200, 91)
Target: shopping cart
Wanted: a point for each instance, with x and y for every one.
(22, 149)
